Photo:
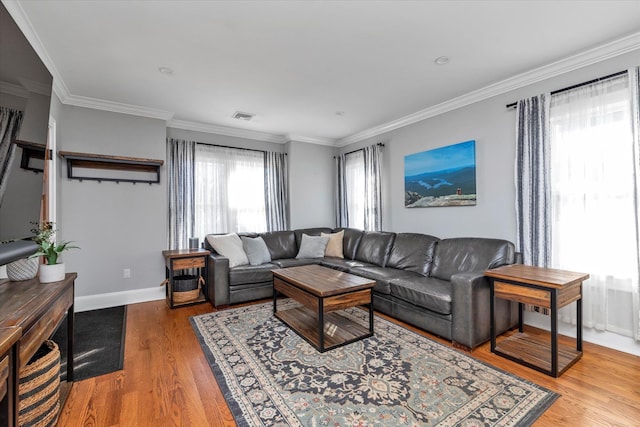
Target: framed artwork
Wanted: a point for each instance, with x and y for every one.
(444, 176)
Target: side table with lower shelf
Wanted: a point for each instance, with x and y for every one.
(541, 287)
(185, 259)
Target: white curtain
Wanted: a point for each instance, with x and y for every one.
(229, 190)
(360, 186)
(354, 187)
(593, 206)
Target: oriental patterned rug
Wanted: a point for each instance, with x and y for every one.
(272, 377)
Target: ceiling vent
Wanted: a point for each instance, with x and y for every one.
(243, 116)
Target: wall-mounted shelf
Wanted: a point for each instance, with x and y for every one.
(33, 155)
(99, 167)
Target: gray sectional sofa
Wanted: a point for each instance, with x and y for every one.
(435, 284)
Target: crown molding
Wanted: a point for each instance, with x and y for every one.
(580, 60)
(225, 130)
(310, 140)
(15, 90)
(116, 107)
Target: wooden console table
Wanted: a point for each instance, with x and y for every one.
(542, 287)
(37, 309)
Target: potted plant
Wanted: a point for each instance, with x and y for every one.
(45, 237)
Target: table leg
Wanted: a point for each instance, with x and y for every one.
(554, 334)
(579, 326)
(321, 325)
(492, 308)
(70, 342)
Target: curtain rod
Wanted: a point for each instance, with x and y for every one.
(599, 79)
(360, 149)
(235, 148)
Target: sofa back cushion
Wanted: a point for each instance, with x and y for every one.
(413, 252)
(309, 232)
(350, 241)
(281, 244)
(374, 247)
(467, 254)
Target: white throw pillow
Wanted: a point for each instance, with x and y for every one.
(230, 246)
(312, 246)
(334, 247)
(256, 250)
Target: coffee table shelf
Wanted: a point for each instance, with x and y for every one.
(323, 293)
(535, 351)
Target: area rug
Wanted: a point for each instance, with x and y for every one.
(99, 342)
(270, 376)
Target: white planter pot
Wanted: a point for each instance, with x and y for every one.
(22, 269)
(51, 273)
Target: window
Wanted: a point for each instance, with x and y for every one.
(229, 190)
(593, 216)
(354, 184)
(359, 190)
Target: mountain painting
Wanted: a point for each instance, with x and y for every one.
(443, 176)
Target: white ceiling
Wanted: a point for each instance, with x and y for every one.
(295, 64)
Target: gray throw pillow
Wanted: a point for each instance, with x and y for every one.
(312, 246)
(256, 250)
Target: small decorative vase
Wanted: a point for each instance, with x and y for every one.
(51, 273)
(22, 269)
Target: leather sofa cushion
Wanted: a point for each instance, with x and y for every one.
(245, 274)
(374, 247)
(413, 252)
(426, 292)
(309, 232)
(295, 262)
(342, 264)
(383, 276)
(350, 241)
(281, 244)
(467, 254)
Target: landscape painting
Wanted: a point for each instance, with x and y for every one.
(444, 176)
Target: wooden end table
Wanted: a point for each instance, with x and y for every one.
(182, 259)
(542, 287)
(323, 292)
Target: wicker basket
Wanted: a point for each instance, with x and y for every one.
(186, 288)
(39, 388)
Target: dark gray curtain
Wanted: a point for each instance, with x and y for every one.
(181, 182)
(276, 191)
(342, 213)
(10, 121)
(372, 187)
(533, 192)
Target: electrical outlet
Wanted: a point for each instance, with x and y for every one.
(126, 273)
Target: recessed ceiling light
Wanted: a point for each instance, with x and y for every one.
(166, 71)
(442, 60)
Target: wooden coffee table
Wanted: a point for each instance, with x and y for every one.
(323, 292)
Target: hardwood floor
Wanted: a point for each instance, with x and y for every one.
(167, 381)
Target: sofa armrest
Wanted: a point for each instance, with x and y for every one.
(471, 310)
(218, 280)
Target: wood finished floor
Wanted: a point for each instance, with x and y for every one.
(167, 381)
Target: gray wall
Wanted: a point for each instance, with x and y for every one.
(117, 226)
(493, 127)
(311, 185)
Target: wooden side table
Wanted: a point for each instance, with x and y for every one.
(182, 259)
(542, 287)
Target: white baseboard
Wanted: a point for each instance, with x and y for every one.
(113, 299)
(605, 339)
